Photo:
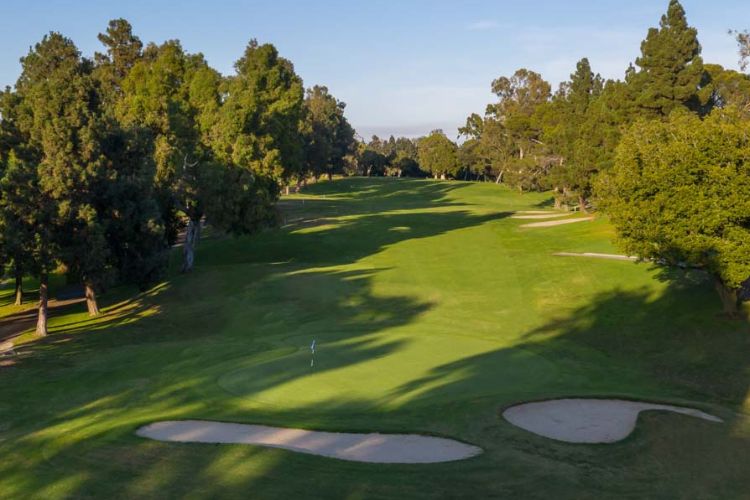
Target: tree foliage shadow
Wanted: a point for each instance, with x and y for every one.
(81, 392)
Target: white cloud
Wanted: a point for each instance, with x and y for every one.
(483, 25)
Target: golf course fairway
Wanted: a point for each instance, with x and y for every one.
(432, 311)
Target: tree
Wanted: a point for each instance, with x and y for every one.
(671, 73)
(123, 51)
(573, 136)
(511, 130)
(678, 195)
(438, 155)
(372, 162)
(59, 114)
(743, 41)
(15, 233)
(328, 135)
(729, 88)
(259, 123)
(175, 97)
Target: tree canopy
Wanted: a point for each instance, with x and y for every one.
(678, 195)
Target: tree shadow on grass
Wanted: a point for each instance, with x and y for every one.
(79, 394)
(669, 348)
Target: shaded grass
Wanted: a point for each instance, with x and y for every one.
(432, 310)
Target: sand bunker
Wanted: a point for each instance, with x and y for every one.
(594, 255)
(549, 223)
(378, 448)
(547, 215)
(587, 420)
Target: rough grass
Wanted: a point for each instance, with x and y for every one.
(432, 311)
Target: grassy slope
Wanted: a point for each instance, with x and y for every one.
(432, 310)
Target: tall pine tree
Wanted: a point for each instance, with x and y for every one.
(671, 70)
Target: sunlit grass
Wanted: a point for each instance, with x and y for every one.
(431, 309)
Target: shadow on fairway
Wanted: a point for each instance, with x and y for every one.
(68, 413)
(79, 394)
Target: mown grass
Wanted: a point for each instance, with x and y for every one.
(432, 310)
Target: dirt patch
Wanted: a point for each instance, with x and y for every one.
(594, 255)
(548, 215)
(549, 223)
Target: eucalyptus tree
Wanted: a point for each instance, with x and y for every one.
(743, 42)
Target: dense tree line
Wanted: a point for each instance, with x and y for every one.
(663, 151)
(104, 161)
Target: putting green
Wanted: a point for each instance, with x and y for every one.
(411, 375)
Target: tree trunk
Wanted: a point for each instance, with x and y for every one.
(91, 303)
(582, 204)
(286, 190)
(192, 234)
(499, 178)
(330, 176)
(41, 322)
(19, 286)
(729, 298)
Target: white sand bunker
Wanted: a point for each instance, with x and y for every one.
(549, 223)
(587, 420)
(546, 215)
(594, 255)
(377, 448)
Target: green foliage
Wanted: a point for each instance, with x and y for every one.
(678, 193)
(729, 88)
(572, 129)
(671, 73)
(438, 155)
(66, 133)
(327, 133)
(259, 123)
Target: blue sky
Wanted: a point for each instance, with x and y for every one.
(402, 66)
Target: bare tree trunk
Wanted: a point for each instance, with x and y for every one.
(729, 298)
(192, 234)
(330, 176)
(19, 285)
(41, 322)
(286, 190)
(91, 303)
(499, 178)
(582, 204)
